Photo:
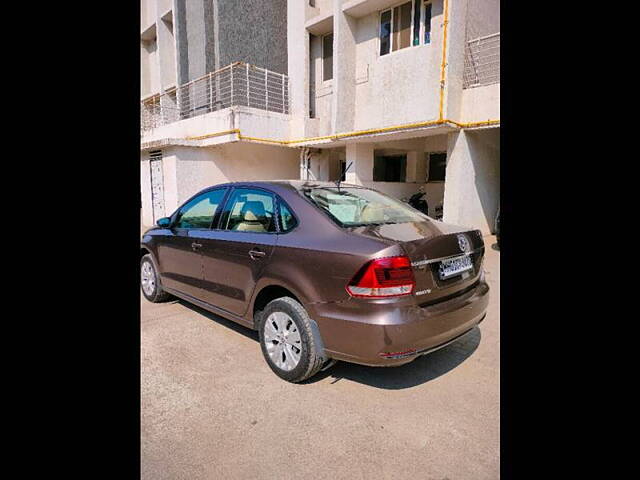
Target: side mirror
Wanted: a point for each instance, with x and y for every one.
(164, 222)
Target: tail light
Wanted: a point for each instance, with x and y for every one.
(383, 277)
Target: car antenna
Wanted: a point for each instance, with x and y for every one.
(345, 175)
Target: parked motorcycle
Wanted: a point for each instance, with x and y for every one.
(418, 202)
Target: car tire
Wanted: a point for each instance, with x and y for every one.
(152, 290)
(290, 314)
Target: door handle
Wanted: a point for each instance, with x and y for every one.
(255, 253)
(196, 246)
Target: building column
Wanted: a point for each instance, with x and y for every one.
(344, 70)
(456, 43)
(297, 67)
(360, 156)
(472, 179)
(412, 167)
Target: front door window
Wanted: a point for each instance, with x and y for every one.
(199, 212)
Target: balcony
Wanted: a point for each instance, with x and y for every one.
(238, 84)
(482, 61)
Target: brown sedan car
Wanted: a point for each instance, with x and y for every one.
(323, 271)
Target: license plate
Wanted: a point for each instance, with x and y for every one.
(454, 266)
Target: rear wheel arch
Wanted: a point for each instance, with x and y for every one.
(270, 292)
(266, 294)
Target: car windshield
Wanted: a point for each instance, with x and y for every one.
(353, 207)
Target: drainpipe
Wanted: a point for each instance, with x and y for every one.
(443, 65)
(305, 159)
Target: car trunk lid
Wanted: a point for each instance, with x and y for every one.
(428, 244)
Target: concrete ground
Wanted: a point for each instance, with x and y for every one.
(212, 408)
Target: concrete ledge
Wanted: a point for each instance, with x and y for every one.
(320, 24)
(362, 8)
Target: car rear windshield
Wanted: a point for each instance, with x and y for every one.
(353, 207)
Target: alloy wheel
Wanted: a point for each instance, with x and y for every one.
(282, 340)
(148, 278)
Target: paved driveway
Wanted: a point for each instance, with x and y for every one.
(211, 408)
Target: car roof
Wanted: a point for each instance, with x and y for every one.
(293, 184)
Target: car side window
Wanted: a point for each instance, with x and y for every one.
(250, 210)
(287, 220)
(199, 212)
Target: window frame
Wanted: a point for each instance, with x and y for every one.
(428, 176)
(216, 215)
(405, 159)
(322, 37)
(224, 216)
(280, 230)
(422, 26)
(380, 13)
(423, 21)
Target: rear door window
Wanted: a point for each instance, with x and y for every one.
(250, 210)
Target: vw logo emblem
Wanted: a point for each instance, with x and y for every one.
(463, 243)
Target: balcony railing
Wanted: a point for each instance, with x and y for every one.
(238, 84)
(482, 61)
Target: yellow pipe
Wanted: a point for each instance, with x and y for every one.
(444, 59)
(217, 134)
(474, 124)
(338, 136)
(349, 134)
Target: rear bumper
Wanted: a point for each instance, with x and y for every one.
(387, 333)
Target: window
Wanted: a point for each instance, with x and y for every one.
(327, 57)
(287, 220)
(402, 26)
(426, 21)
(385, 32)
(250, 210)
(199, 212)
(417, 7)
(389, 168)
(437, 167)
(350, 207)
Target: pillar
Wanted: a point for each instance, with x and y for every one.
(472, 179)
(360, 156)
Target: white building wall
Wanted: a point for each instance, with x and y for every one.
(187, 170)
(345, 40)
(297, 66)
(167, 52)
(481, 103)
(170, 161)
(472, 192)
(399, 87)
(145, 190)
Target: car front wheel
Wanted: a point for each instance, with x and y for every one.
(288, 342)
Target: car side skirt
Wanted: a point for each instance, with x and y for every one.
(211, 308)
